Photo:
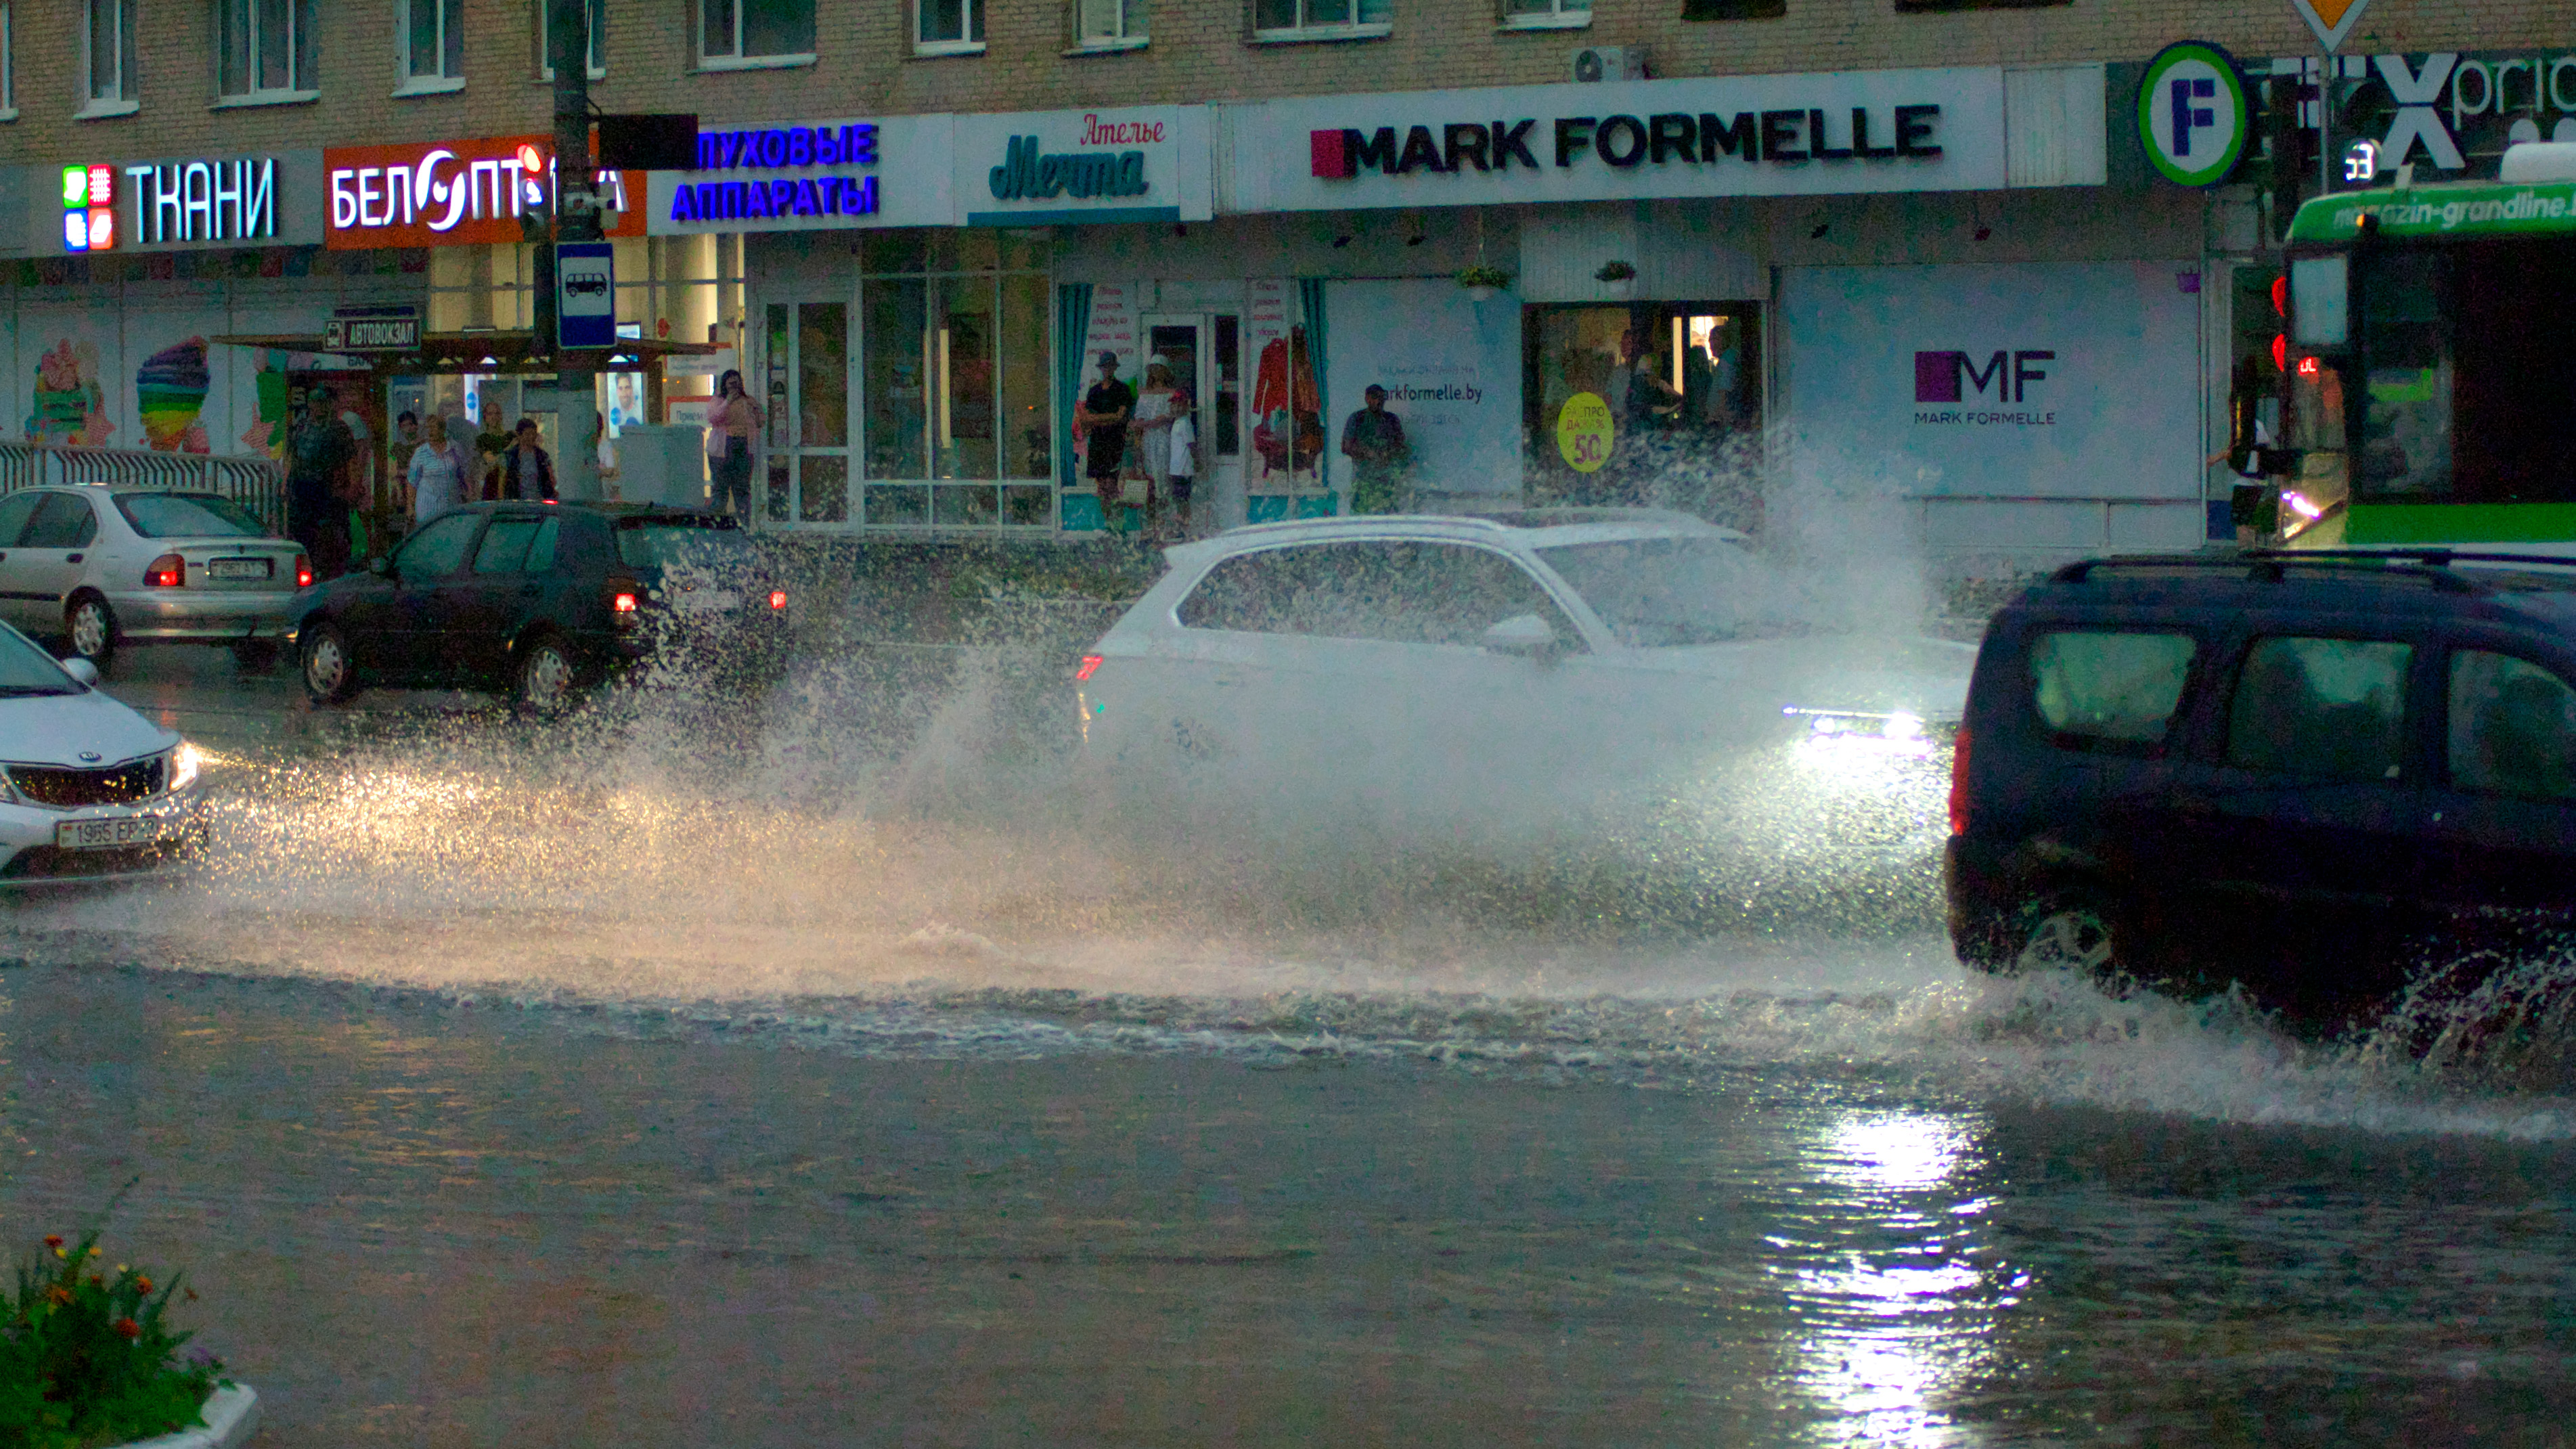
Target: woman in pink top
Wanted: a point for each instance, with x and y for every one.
(733, 430)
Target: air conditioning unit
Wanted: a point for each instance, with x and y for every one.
(1609, 63)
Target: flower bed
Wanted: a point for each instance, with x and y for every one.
(86, 1360)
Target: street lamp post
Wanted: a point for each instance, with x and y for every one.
(576, 220)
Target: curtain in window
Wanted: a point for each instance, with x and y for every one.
(1072, 334)
(1310, 301)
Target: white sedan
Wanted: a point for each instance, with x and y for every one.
(98, 567)
(1429, 676)
(89, 790)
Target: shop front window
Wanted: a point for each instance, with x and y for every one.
(1655, 404)
(952, 412)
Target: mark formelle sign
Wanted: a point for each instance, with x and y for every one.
(1780, 137)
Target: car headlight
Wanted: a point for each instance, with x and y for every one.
(184, 762)
(8, 791)
(1893, 733)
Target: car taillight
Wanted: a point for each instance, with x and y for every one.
(1959, 783)
(778, 598)
(1090, 666)
(169, 571)
(624, 606)
(303, 572)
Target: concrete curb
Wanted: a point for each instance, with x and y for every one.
(232, 1416)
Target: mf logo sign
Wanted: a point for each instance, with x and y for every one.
(2003, 377)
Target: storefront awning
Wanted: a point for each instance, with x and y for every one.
(489, 354)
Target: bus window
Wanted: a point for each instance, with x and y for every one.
(2318, 288)
(2406, 427)
(2316, 405)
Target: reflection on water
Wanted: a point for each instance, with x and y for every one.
(1888, 1269)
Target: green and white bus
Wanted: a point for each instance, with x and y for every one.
(2430, 366)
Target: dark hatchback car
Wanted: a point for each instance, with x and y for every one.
(2312, 774)
(542, 600)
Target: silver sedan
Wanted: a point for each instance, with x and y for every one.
(96, 568)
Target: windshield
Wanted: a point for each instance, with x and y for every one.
(659, 543)
(27, 670)
(1658, 593)
(188, 515)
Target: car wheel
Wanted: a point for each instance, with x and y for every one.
(255, 656)
(330, 669)
(89, 628)
(546, 683)
(2077, 932)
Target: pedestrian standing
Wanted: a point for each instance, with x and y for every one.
(527, 472)
(733, 430)
(1102, 417)
(437, 474)
(1373, 439)
(1181, 456)
(321, 454)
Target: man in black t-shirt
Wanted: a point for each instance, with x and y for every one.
(1103, 418)
(320, 453)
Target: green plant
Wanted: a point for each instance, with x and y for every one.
(85, 1357)
(1482, 276)
(1615, 272)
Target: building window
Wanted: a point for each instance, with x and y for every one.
(1683, 382)
(598, 40)
(949, 27)
(1109, 24)
(264, 50)
(1547, 14)
(755, 32)
(432, 37)
(8, 70)
(1925, 7)
(1321, 19)
(108, 40)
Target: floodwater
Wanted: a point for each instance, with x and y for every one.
(501, 1085)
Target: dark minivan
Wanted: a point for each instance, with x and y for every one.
(2312, 774)
(539, 600)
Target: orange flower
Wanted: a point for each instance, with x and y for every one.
(142, 1284)
(53, 1240)
(59, 1296)
(127, 1328)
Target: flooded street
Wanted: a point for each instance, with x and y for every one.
(507, 1085)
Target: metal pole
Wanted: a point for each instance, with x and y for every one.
(2325, 124)
(576, 219)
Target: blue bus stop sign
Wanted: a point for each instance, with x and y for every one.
(585, 294)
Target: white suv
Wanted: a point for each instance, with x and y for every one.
(1427, 676)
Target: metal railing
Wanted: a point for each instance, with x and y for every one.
(257, 484)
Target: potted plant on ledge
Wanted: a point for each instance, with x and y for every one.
(1482, 282)
(1617, 279)
(86, 1360)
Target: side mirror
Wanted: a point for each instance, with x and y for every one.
(1526, 635)
(380, 565)
(82, 670)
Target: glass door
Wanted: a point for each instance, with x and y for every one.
(805, 395)
(1180, 342)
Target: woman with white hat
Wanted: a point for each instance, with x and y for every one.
(1154, 415)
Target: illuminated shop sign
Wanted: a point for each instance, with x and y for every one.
(811, 176)
(1851, 131)
(108, 205)
(456, 193)
(89, 208)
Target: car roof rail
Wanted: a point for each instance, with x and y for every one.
(2430, 565)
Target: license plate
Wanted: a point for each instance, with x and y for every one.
(710, 601)
(241, 568)
(118, 832)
